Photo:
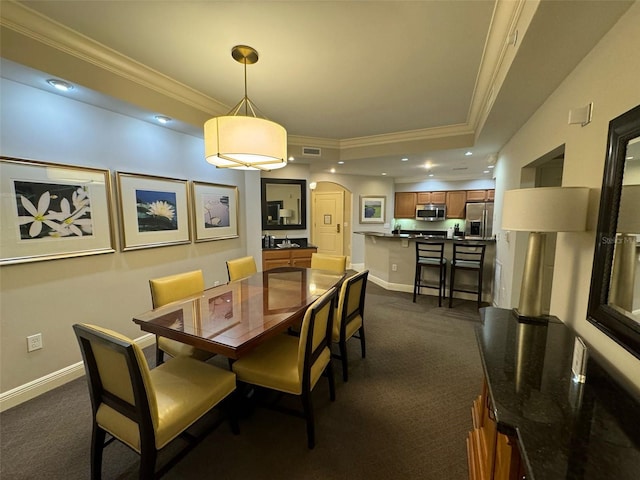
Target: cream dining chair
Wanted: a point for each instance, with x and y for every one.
(333, 263)
(146, 409)
(294, 365)
(169, 289)
(350, 317)
(241, 268)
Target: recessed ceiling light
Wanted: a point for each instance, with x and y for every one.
(163, 119)
(486, 171)
(630, 157)
(340, 162)
(491, 166)
(333, 170)
(467, 154)
(60, 84)
(428, 166)
(384, 173)
(291, 159)
(431, 174)
(404, 159)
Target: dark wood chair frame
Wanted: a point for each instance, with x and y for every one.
(347, 317)
(138, 412)
(432, 251)
(310, 357)
(462, 253)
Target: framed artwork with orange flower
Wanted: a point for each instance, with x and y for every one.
(50, 211)
(154, 211)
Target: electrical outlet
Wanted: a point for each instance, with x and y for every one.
(34, 342)
(394, 267)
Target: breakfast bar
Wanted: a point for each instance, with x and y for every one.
(391, 258)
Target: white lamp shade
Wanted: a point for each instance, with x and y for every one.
(245, 143)
(629, 213)
(545, 209)
(286, 213)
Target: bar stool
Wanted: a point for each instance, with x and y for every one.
(467, 256)
(430, 255)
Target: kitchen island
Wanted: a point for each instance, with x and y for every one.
(391, 259)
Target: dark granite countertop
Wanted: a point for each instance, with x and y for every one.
(300, 247)
(420, 236)
(565, 430)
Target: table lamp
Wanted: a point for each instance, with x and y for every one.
(285, 214)
(624, 256)
(538, 211)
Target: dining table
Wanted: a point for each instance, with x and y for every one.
(234, 318)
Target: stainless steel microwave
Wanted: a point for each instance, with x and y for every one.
(430, 213)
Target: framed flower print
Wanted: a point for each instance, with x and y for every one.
(215, 211)
(154, 211)
(51, 211)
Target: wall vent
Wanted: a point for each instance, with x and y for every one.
(311, 151)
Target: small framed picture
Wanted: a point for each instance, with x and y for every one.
(579, 362)
(154, 211)
(372, 209)
(215, 211)
(50, 211)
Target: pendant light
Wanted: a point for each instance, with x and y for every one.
(241, 139)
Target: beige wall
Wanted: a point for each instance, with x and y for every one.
(609, 77)
(49, 297)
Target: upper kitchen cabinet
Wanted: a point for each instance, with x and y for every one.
(426, 198)
(480, 195)
(405, 205)
(456, 202)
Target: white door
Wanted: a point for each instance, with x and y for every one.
(328, 232)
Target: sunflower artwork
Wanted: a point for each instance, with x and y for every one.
(156, 211)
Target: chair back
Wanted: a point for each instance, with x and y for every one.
(315, 339)
(468, 255)
(119, 383)
(333, 263)
(350, 303)
(430, 252)
(175, 287)
(241, 268)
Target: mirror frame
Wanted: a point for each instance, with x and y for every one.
(303, 203)
(615, 324)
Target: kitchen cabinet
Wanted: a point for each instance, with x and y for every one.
(456, 202)
(287, 257)
(480, 195)
(425, 198)
(405, 205)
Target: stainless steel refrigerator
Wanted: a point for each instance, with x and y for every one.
(479, 220)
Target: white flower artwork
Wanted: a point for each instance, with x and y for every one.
(52, 210)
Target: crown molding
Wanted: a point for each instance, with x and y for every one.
(31, 24)
(498, 55)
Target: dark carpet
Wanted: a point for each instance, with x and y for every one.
(404, 413)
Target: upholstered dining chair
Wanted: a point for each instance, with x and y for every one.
(145, 409)
(241, 268)
(350, 317)
(333, 263)
(294, 365)
(169, 289)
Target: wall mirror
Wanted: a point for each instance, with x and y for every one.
(284, 204)
(614, 301)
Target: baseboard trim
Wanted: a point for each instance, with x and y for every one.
(402, 287)
(37, 387)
